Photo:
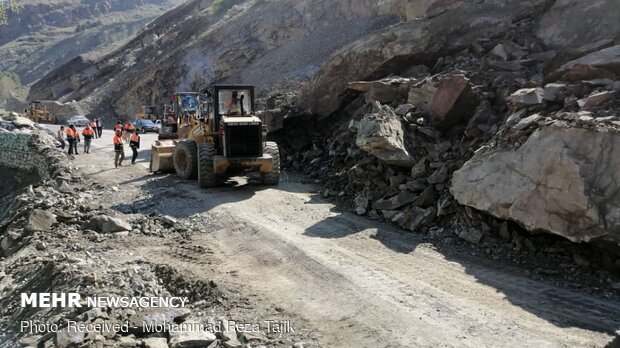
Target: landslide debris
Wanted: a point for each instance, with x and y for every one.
(489, 141)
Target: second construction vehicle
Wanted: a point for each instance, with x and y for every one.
(215, 135)
(37, 111)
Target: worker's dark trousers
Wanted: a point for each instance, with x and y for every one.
(71, 141)
(135, 154)
(99, 131)
(87, 145)
(119, 156)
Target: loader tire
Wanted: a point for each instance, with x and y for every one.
(185, 159)
(206, 170)
(273, 177)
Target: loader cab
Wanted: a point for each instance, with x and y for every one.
(230, 101)
(187, 104)
(234, 100)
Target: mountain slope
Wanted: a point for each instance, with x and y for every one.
(46, 34)
(267, 43)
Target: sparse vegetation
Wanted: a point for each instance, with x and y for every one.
(220, 6)
(87, 25)
(7, 6)
(10, 75)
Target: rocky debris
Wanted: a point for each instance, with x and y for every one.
(483, 105)
(155, 342)
(453, 102)
(67, 338)
(40, 220)
(554, 92)
(191, 336)
(527, 97)
(381, 134)
(107, 224)
(401, 199)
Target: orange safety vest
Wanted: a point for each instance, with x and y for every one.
(118, 140)
(87, 131)
(135, 137)
(129, 126)
(70, 133)
(118, 126)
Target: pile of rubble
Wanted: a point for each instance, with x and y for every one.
(533, 138)
(57, 237)
(35, 255)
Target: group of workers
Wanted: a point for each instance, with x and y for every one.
(122, 134)
(71, 136)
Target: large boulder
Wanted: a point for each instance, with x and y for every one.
(561, 180)
(108, 224)
(571, 23)
(600, 64)
(40, 220)
(381, 134)
(384, 91)
(410, 43)
(453, 102)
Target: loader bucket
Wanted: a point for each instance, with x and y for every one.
(161, 156)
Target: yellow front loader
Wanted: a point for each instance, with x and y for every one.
(215, 138)
(37, 111)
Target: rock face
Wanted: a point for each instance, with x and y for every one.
(561, 180)
(406, 44)
(381, 134)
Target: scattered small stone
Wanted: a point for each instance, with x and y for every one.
(471, 235)
(40, 220)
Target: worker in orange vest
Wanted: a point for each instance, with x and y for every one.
(134, 144)
(93, 126)
(88, 134)
(118, 126)
(70, 138)
(119, 151)
(128, 128)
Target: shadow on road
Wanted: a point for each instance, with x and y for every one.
(563, 308)
(167, 194)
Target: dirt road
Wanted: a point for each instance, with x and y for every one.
(344, 280)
